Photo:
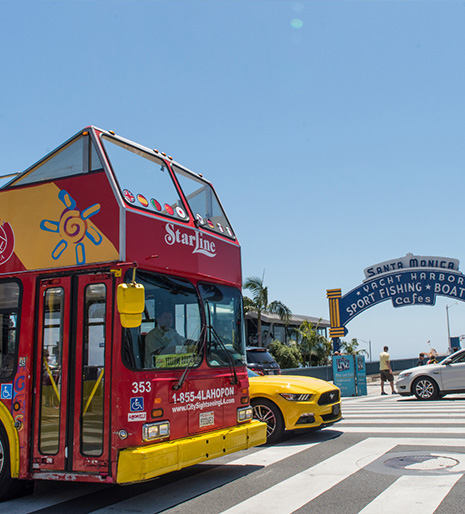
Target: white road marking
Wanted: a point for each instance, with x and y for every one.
(439, 431)
(271, 455)
(201, 483)
(296, 491)
(402, 421)
(408, 414)
(291, 494)
(413, 493)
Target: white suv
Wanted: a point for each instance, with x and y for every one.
(434, 380)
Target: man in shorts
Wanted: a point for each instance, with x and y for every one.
(385, 370)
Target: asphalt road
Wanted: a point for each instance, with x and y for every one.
(389, 454)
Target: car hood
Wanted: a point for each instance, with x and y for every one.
(293, 383)
(427, 368)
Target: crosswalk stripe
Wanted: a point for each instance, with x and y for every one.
(403, 414)
(403, 421)
(203, 482)
(387, 429)
(405, 408)
(397, 418)
(291, 494)
(271, 455)
(296, 491)
(413, 494)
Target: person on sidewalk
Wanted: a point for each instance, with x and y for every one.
(385, 370)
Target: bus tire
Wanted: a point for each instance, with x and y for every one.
(9, 487)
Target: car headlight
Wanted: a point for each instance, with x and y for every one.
(158, 430)
(405, 374)
(296, 397)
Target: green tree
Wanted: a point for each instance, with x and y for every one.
(286, 356)
(315, 348)
(352, 348)
(259, 303)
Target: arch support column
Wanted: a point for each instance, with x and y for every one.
(336, 330)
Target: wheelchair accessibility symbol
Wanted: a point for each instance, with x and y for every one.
(6, 392)
(137, 404)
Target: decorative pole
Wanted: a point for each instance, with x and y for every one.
(335, 330)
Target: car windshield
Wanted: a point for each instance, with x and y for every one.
(259, 357)
(454, 358)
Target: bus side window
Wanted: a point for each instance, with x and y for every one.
(9, 307)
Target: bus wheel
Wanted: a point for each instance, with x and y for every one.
(9, 487)
(268, 412)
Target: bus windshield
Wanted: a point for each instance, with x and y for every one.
(145, 182)
(144, 179)
(225, 336)
(203, 202)
(172, 331)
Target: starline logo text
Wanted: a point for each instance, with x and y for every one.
(198, 243)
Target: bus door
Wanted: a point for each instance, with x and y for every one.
(72, 390)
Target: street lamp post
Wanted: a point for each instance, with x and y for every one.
(449, 346)
(369, 346)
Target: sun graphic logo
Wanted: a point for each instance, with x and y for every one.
(7, 241)
(73, 227)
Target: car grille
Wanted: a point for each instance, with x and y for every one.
(329, 417)
(329, 397)
(334, 414)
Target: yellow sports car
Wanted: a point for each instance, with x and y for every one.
(290, 402)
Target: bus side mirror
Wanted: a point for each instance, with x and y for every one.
(130, 299)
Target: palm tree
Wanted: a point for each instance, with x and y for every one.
(352, 348)
(259, 303)
(314, 346)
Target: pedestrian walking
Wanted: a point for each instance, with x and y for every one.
(386, 370)
(420, 361)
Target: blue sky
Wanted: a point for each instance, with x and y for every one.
(332, 130)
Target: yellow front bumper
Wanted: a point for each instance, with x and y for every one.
(146, 462)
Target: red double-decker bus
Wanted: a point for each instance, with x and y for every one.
(122, 348)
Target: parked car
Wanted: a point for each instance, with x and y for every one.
(434, 380)
(290, 402)
(261, 361)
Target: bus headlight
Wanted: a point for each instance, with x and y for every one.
(157, 430)
(244, 414)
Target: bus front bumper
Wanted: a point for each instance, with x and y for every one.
(146, 462)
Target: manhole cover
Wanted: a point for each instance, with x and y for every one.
(421, 462)
(416, 463)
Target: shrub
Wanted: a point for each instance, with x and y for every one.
(286, 356)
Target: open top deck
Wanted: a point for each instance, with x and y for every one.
(102, 198)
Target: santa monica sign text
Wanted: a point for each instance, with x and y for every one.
(410, 280)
